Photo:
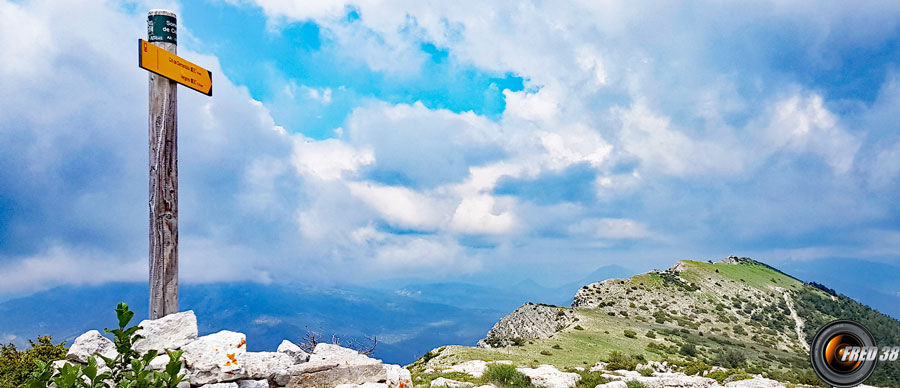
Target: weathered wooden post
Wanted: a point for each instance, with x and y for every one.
(157, 55)
(163, 130)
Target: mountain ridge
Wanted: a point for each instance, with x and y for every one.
(693, 312)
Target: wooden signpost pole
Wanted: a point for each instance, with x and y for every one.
(163, 130)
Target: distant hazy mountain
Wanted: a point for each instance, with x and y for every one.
(405, 327)
(408, 320)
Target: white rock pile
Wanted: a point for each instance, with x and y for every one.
(548, 376)
(221, 360)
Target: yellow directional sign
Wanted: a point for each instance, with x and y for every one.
(153, 58)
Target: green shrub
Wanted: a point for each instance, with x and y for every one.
(590, 379)
(505, 376)
(650, 334)
(630, 333)
(618, 360)
(578, 327)
(695, 368)
(645, 372)
(635, 384)
(688, 350)
(557, 347)
(546, 353)
(127, 369)
(16, 365)
(730, 358)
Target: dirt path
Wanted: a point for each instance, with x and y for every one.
(798, 322)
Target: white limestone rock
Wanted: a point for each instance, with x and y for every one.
(613, 384)
(628, 374)
(474, 368)
(253, 384)
(159, 363)
(599, 366)
(755, 383)
(548, 376)
(676, 380)
(444, 382)
(398, 376)
(170, 332)
(89, 343)
(332, 365)
(262, 365)
(214, 358)
(294, 351)
(220, 385)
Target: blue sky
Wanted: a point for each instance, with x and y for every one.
(352, 142)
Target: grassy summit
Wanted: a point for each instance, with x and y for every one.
(737, 313)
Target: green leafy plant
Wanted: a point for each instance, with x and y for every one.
(128, 369)
(16, 365)
(630, 333)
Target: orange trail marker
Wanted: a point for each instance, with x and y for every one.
(153, 58)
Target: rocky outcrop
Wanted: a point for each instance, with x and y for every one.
(474, 368)
(221, 360)
(170, 332)
(214, 358)
(331, 365)
(529, 321)
(294, 351)
(444, 382)
(676, 380)
(548, 376)
(89, 343)
(755, 383)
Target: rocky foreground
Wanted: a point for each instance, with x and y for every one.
(221, 360)
(660, 375)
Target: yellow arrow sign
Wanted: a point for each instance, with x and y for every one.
(151, 57)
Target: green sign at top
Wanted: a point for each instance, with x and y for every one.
(161, 28)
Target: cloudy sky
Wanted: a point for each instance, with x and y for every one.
(350, 142)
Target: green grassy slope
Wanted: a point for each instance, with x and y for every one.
(693, 313)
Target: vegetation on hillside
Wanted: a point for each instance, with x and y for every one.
(737, 314)
(819, 308)
(16, 365)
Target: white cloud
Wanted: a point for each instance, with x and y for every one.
(660, 147)
(328, 159)
(539, 106)
(400, 206)
(802, 124)
(611, 228)
(62, 265)
(416, 254)
(661, 130)
(482, 214)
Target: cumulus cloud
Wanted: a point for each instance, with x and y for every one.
(611, 228)
(623, 135)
